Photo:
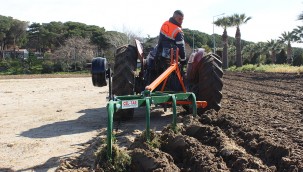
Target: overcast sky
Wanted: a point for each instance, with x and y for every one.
(270, 18)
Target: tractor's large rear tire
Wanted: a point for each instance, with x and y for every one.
(208, 84)
(124, 77)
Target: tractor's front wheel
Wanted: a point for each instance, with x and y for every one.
(98, 70)
(124, 77)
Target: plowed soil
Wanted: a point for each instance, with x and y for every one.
(259, 128)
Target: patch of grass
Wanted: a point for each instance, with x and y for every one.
(76, 72)
(119, 162)
(31, 76)
(285, 69)
(276, 68)
(176, 130)
(154, 139)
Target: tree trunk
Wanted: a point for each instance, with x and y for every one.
(250, 56)
(273, 54)
(238, 48)
(289, 53)
(225, 56)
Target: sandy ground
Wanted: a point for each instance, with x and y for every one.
(45, 120)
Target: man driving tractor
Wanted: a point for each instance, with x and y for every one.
(171, 35)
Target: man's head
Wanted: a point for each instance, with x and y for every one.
(178, 16)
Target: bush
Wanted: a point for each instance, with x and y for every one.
(32, 65)
(249, 67)
(36, 69)
(297, 56)
(47, 67)
(4, 65)
(12, 67)
(57, 67)
(298, 61)
(281, 57)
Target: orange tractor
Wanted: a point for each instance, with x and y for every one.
(159, 81)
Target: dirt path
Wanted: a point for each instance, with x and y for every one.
(43, 120)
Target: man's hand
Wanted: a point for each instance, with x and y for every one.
(182, 64)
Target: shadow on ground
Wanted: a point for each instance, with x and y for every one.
(92, 119)
(6, 170)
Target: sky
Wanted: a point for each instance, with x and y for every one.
(270, 18)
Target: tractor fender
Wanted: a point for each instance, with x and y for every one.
(193, 64)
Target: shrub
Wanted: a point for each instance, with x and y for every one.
(298, 61)
(47, 67)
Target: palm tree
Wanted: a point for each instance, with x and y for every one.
(237, 20)
(288, 37)
(274, 47)
(224, 22)
(232, 54)
(262, 50)
(248, 51)
(300, 16)
(298, 32)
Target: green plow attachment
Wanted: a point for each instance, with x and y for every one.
(149, 98)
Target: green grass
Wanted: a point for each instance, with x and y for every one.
(154, 139)
(77, 72)
(276, 68)
(119, 162)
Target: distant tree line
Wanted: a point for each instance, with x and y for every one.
(69, 46)
(274, 51)
(55, 46)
